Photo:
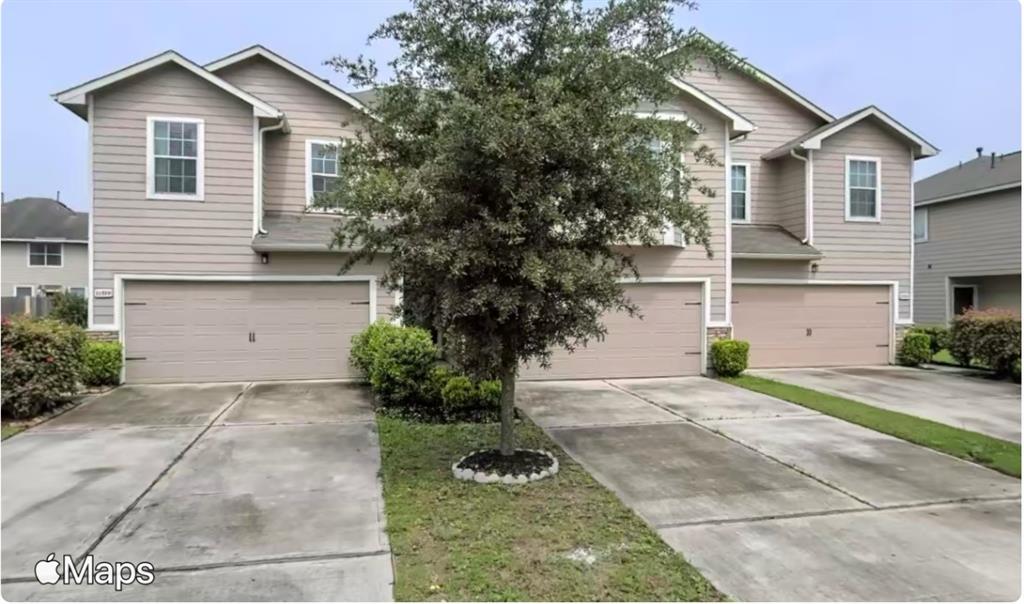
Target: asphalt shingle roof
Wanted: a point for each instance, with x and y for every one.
(298, 233)
(43, 218)
(975, 175)
(769, 240)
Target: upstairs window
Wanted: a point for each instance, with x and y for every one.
(739, 192)
(175, 159)
(921, 225)
(863, 188)
(322, 166)
(45, 254)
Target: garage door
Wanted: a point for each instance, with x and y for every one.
(813, 325)
(200, 332)
(666, 342)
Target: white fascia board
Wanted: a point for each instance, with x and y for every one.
(291, 68)
(740, 124)
(77, 95)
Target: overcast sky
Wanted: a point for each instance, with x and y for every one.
(950, 71)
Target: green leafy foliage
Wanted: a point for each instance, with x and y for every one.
(42, 362)
(101, 363)
(506, 152)
(729, 357)
(69, 308)
(938, 336)
(915, 349)
(991, 336)
(463, 398)
(367, 343)
(402, 361)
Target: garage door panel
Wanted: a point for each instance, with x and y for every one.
(665, 342)
(199, 331)
(849, 325)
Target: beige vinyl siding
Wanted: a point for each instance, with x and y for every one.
(74, 271)
(791, 197)
(969, 237)
(312, 114)
(135, 235)
(778, 120)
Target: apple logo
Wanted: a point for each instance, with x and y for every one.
(46, 571)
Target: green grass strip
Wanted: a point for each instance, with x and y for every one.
(1000, 455)
(565, 538)
(9, 430)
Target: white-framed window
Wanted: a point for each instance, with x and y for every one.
(46, 254)
(23, 291)
(321, 168)
(739, 192)
(863, 188)
(77, 291)
(920, 225)
(174, 158)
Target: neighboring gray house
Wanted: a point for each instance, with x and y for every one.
(967, 238)
(209, 264)
(45, 248)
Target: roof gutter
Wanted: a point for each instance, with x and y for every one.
(259, 172)
(808, 195)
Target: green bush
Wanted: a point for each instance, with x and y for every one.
(401, 362)
(729, 357)
(915, 349)
(990, 336)
(1015, 372)
(938, 334)
(42, 363)
(69, 308)
(366, 343)
(101, 363)
(462, 399)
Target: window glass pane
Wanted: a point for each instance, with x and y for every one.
(862, 203)
(160, 129)
(190, 131)
(175, 184)
(330, 166)
(77, 291)
(175, 147)
(319, 184)
(37, 260)
(189, 184)
(22, 292)
(189, 149)
(162, 167)
(160, 146)
(921, 223)
(175, 129)
(190, 167)
(739, 206)
(162, 184)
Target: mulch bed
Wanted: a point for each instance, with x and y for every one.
(491, 461)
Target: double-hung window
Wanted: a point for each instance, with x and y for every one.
(45, 254)
(863, 188)
(322, 170)
(23, 291)
(174, 161)
(921, 225)
(739, 192)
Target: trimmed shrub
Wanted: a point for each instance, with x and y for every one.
(366, 343)
(915, 349)
(462, 399)
(990, 336)
(42, 363)
(101, 363)
(938, 334)
(729, 357)
(401, 362)
(69, 308)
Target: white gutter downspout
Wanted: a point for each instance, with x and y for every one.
(259, 172)
(808, 195)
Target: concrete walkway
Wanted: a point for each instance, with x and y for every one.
(233, 492)
(772, 501)
(962, 399)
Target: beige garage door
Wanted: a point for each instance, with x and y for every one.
(200, 331)
(813, 325)
(666, 342)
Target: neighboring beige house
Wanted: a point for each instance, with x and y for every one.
(208, 264)
(967, 238)
(45, 248)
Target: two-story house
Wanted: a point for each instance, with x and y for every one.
(45, 248)
(208, 264)
(967, 238)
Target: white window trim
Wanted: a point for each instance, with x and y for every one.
(200, 159)
(924, 212)
(746, 193)
(28, 255)
(878, 189)
(31, 289)
(309, 172)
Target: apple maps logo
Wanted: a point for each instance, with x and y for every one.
(90, 572)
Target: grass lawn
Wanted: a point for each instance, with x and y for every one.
(454, 540)
(943, 357)
(9, 430)
(1000, 455)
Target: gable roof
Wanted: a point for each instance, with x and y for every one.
(75, 98)
(768, 79)
(261, 51)
(813, 138)
(767, 241)
(739, 124)
(984, 174)
(31, 218)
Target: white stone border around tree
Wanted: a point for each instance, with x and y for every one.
(471, 475)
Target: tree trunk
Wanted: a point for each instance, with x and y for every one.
(507, 444)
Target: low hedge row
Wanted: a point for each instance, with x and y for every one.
(991, 336)
(402, 367)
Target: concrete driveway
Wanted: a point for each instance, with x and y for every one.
(772, 501)
(233, 491)
(959, 398)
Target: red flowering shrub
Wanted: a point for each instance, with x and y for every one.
(991, 336)
(42, 361)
